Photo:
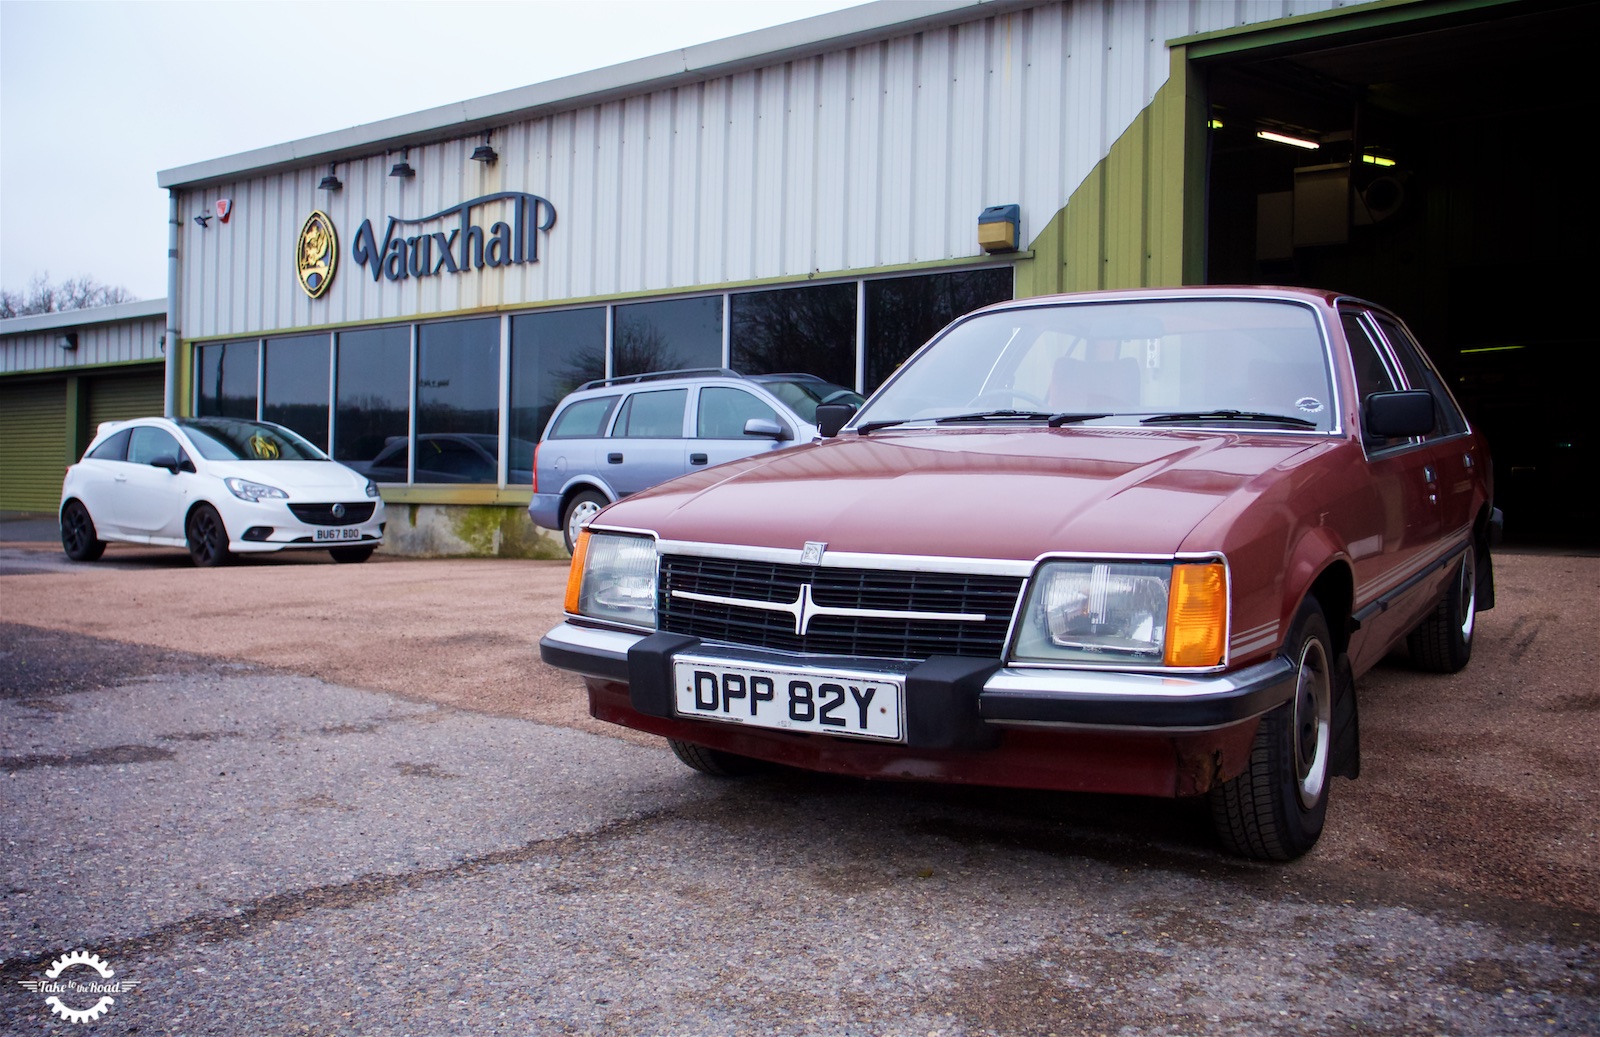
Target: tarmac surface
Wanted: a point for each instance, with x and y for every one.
(297, 797)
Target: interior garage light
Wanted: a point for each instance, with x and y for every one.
(1373, 159)
(1284, 138)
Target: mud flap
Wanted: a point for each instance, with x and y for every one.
(1346, 747)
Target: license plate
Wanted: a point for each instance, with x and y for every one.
(337, 533)
(856, 704)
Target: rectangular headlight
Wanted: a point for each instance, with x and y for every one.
(613, 578)
(1127, 613)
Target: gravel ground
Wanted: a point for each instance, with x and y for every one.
(1481, 781)
(611, 892)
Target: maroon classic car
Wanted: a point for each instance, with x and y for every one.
(1138, 542)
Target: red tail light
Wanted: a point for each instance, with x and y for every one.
(537, 447)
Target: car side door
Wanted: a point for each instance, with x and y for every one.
(722, 414)
(1391, 533)
(1450, 449)
(152, 500)
(647, 444)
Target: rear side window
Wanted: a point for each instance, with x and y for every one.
(585, 419)
(113, 449)
(652, 415)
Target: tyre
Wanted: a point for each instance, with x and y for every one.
(352, 555)
(208, 537)
(78, 537)
(712, 761)
(1274, 809)
(580, 510)
(1443, 642)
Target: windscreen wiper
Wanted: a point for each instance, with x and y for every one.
(995, 415)
(1185, 417)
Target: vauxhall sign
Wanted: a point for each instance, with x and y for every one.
(451, 241)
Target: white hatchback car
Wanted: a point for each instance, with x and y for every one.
(218, 486)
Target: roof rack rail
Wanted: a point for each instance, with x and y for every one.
(630, 379)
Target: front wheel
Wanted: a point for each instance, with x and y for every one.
(78, 537)
(352, 555)
(1274, 810)
(714, 762)
(208, 538)
(1443, 642)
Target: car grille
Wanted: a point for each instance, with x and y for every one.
(890, 638)
(322, 514)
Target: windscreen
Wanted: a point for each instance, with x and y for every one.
(230, 439)
(1146, 361)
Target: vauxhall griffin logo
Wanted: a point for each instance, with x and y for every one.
(316, 255)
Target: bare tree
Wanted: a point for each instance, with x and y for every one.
(78, 293)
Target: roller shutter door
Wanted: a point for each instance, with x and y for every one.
(114, 398)
(33, 445)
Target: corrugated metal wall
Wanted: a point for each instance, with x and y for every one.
(111, 342)
(871, 156)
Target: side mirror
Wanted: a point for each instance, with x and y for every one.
(166, 461)
(831, 417)
(1399, 415)
(765, 427)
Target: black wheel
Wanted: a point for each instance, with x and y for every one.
(1443, 642)
(1274, 810)
(208, 537)
(78, 537)
(352, 555)
(580, 510)
(712, 761)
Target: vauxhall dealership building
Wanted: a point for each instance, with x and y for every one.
(416, 295)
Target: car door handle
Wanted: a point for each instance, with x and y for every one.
(1429, 474)
(698, 459)
(613, 458)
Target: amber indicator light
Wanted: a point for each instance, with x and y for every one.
(575, 574)
(1197, 615)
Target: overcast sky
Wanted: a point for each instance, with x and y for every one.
(95, 98)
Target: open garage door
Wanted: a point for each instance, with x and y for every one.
(1427, 157)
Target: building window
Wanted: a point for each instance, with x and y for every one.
(373, 401)
(904, 312)
(552, 353)
(458, 402)
(667, 336)
(294, 385)
(227, 380)
(811, 330)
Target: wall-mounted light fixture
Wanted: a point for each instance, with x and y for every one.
(69, 340)
(484, 153)
(999, 228)
(1284, 138)
(403, 168)
(330, 182)
(204, 219)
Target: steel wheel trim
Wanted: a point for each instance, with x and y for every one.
(1313, 715)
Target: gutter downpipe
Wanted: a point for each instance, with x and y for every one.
(170, 395)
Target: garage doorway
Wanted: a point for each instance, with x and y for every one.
(1447, 182)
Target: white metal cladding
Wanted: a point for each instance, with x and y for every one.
(34, 343)
(873, 155)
